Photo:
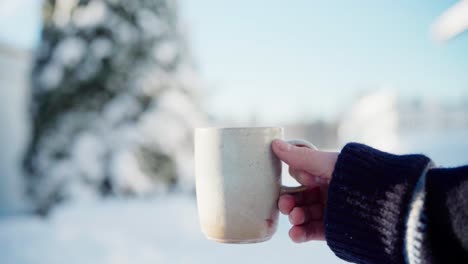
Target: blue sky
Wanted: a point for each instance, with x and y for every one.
(310, 59)
(283, 61)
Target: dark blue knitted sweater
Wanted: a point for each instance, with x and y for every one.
(384, 208)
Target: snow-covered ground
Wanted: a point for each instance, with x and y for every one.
(160, 230)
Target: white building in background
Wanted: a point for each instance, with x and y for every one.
(433, 115)
(374, 120)
(388, 122)
(14, 82)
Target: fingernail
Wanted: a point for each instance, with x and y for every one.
(283, 146)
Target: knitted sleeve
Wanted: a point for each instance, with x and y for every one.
(368, 202)
(440, 233)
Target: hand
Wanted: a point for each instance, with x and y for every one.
(313, 169)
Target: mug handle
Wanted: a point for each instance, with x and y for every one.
(296, 189)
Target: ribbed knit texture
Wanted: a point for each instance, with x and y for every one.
(368, 201)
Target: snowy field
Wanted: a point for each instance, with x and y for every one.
(162, 230)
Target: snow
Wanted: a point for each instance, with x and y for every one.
(159, 230)
(127, 174)
(181, 105)
(70, 51)
(88, 155)
(152, 82)
(163, 128)
(190, 79)
(123, 107)
(166, 52)
(90, 15)
(125, 32)
(51, 75)
(151, 24)
(89, 68)
(62, 12)
(101, 47)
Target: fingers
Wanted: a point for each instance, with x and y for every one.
(305, 210)
(304, 177)
(302, 215)
(315, 163)
(287, 202)
(313, 230)
(296, 157)
(309, 196)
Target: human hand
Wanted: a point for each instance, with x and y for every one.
(314, 169)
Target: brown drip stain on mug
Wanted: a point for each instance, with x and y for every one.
(269, 223)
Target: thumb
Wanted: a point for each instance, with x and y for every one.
(314, 162)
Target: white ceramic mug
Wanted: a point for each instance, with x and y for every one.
(238, 182)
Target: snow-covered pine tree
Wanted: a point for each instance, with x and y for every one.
(114, 101)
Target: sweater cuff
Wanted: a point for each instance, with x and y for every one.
(367, 204)
(446, 207)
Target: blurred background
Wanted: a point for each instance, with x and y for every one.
(99, 98)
